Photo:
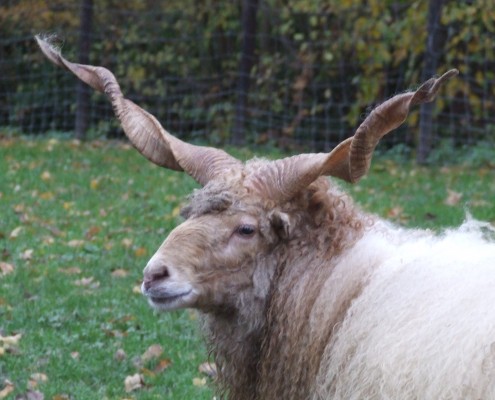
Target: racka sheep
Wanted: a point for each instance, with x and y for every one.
(303, 295)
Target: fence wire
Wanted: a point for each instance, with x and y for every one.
(312, 73)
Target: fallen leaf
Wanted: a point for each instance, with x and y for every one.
(154, 351)
(46, 196)
(136, 289)
(15, 233)
(94, 184)
(91, 232)
(61, 397)
(209, 369)
(199, 382)
(120, 355)
(162, 365)
(6, 268)
(70, 270)
(120, 273)
(87, 282)
(31, 395)
(395, 212)
(140, 252)
(27, 255)
(46, 176)
(76, 243)
(35, 379)
(133, 382)
(7, 389)
(10, 340)
(453, 198)
(126, 242)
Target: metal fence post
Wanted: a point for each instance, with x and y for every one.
(433, 49)
(249, 10)
(82, 90)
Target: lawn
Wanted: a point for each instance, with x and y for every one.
(78, 223)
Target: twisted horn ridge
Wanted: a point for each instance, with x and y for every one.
(351, 159)
(143, 129)
(385, 118)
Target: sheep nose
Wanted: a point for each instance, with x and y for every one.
(151, 278)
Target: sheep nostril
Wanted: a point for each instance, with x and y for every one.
(152, 278)
(160, 275)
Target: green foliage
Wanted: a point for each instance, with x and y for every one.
(319, 65)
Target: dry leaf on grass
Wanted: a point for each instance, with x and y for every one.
(120, 273)
(35, 379)
(133, 382)
(11, 340)
(140, 252)
(31, 395)
(27, 255)
(120, 355)
(453, 198)
(76, 243)
(199, 382)
(87, 282)
(6, 268)
(15, 233)
(154, 351)
(8, 387)
(162, 365)
(70, 270)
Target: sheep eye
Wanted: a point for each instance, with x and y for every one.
(246, 230)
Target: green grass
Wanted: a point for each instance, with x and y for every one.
(79, 221)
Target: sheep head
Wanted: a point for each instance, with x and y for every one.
(239, 217)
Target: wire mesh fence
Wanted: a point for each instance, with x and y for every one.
(252, 71)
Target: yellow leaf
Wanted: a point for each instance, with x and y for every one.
(11, 340)
(68, 205)
(46, 176)
(199, 382)
(46, 196)
(140, 252)
(94, 184)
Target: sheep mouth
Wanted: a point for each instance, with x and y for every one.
(170, 302)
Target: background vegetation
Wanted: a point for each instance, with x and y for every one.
(316, 66)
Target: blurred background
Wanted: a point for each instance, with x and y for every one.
(294, 75)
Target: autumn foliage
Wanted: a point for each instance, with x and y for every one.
(318, 66)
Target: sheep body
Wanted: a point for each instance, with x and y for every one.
(423, 327)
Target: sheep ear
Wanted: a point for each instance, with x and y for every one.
(143, 130)
(281, 224)
(350, 160)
